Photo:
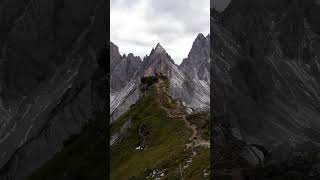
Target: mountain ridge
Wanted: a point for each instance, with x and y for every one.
(163, 127)
(193, 92)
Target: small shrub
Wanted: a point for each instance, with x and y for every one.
(133, 105)
(163, 77)
(149, 80)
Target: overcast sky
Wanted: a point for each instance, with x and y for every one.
(138, 25)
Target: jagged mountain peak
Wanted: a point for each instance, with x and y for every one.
(199, 49)
(191, 88)
(197, 63)
(114, 48)
(159, 61)
(159, 49)
(200, 37)
(157, 55)
(199, 42)
(115, 56)
(112, 44)
(158, 46)
(208, 36)
(131, 56)
(123, 68)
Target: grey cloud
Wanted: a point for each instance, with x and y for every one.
(166, 21)
(190, 12)
(138, 42)
(134, 40)
(165, 27)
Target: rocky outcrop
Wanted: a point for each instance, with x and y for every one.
(122, 68)
(121, 101)
(49, 78)
(124, 81)
(118, 136)
(115, 57)
(196, 66)
(158, 62)
(142, 136)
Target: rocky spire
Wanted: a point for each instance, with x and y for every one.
(123, 68)
(115, 56)
(197, 63)
(159, 49)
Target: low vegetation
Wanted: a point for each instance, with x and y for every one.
(201, 121)
(84, 155)
(167, 139)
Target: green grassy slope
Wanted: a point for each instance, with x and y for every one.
(84, 155)
(167, 138)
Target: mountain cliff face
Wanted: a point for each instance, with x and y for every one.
(48, 84)
(115, 57)
(122, 68)
(159, 61)
(265, 74)
(191, 89)
(183, 86)
(197, 65)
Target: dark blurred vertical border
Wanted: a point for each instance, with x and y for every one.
(107, 107)
(252, 132)
(97, 38)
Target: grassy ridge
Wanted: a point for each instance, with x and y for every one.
(84, 155)
(167, 150)
(201, 121)
(166, 137)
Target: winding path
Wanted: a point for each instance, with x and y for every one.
(178, 112)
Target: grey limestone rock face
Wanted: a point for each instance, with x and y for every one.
(115, 57)
(197, 64)
(122, 68)
(117, 137)
(196, 69)
(124, 81)
(121, 101)
(189, 82)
